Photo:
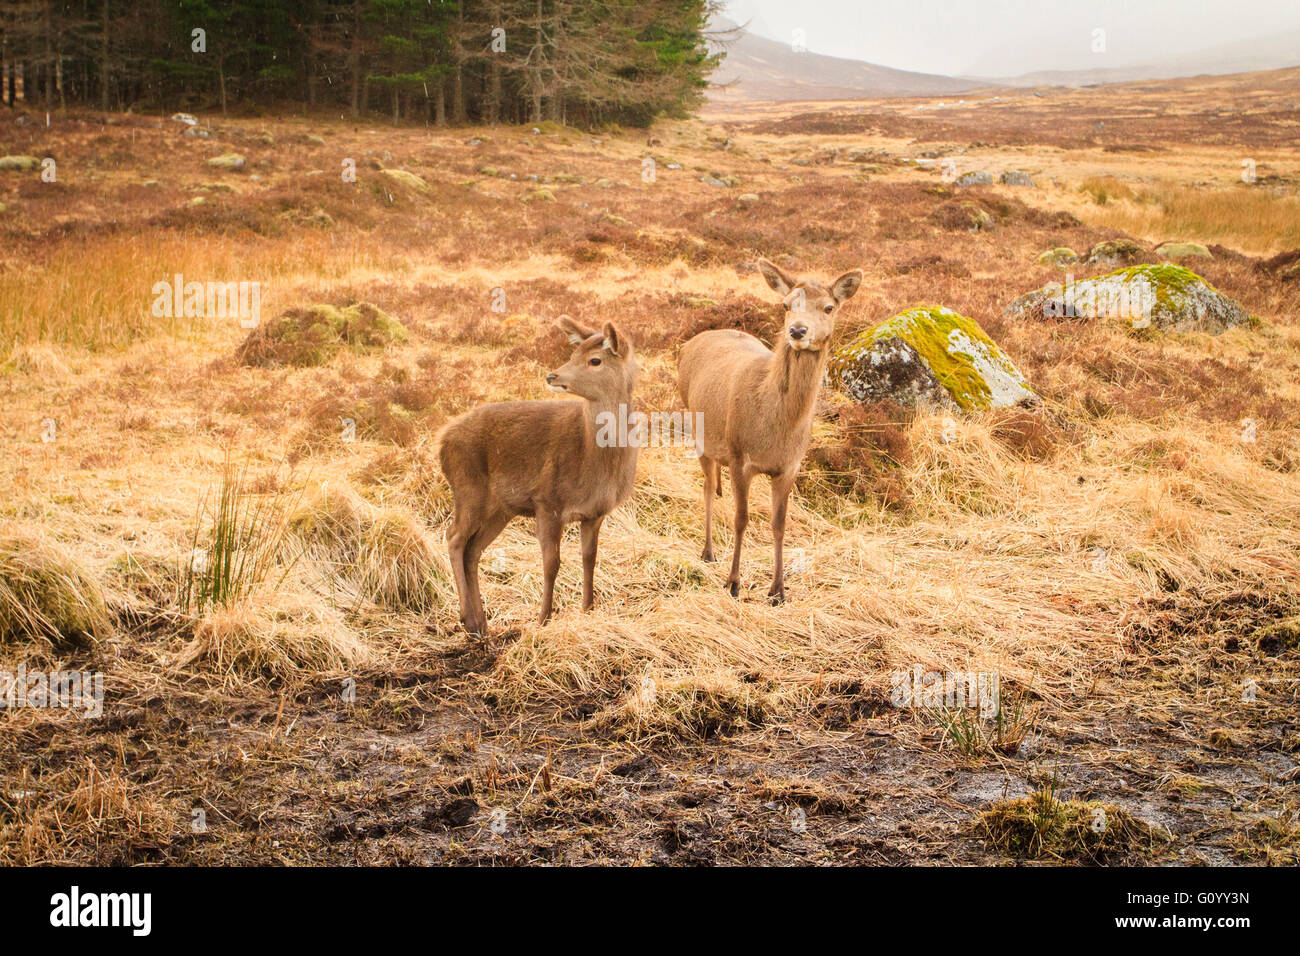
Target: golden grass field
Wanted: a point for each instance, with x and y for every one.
(1125, 558)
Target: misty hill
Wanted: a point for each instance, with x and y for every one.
(1277, 51)
(757, 68)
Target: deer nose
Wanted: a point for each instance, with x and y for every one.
(798, 331)
(551, 378)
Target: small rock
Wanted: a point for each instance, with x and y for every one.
(227, 161)
(541, 194)
(1059, 257)
(1014, 177)
(1116, 252)
(1183, 250)
(186, 118)
(975, 179)
(748, 197)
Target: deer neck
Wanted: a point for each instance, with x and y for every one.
(792, 382)
(606, 420)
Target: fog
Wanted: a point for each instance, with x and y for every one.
(1010, 37)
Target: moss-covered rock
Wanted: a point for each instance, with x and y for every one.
(409, 180)
(1118, 252)
(1060, 257)
(228, 161)
(1183, 250)
(314, 335)
(541, 194)
(929, 355)
(1164, 296)
(21, 164)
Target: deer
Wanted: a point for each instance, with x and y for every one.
(757, 404)
(550, 460)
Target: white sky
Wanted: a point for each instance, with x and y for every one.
(1009, 37)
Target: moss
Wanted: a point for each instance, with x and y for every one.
(406, 179)
(1043, 826)
(313, 335)
(1278, 636)
(20, 164)
(927, 328)
(1170, 283)
(227, 161)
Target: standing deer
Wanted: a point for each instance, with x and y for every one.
(541, 459)
(757, 404)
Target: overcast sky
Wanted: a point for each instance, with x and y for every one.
(1009, 37)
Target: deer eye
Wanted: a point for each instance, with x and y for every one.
(594, 362)
(830, 309)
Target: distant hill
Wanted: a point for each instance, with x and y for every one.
(757, 68)
(1274, 52)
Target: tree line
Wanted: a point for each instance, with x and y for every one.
(439, 61)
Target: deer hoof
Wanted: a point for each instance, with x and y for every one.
(776, 597)
(733, 588)
(708, 556)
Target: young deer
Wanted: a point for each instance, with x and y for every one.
(757, 405)
(541, 459)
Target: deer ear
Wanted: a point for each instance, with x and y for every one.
(779, 282)
(576, 333)
(847, 284)
(616, 341)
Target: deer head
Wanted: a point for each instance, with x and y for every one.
(810, 307)
(602, 368)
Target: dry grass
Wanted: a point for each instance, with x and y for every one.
(48, 600)
(1253, 218)
(275, 637)
(1088, 552)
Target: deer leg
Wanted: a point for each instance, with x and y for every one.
(487, 532)
(740, 479)
(548, 533)
(462, 532)
(711, 486)
(781, 485)
(590, 534)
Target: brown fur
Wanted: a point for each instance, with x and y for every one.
(758, 404)
(540, 459)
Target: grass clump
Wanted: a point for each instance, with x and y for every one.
(1043, 826)
(974, 736)
(238, 551)
(314, 335)
(689, 708)
(384, 553)
(275, 637)
(47, 597)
